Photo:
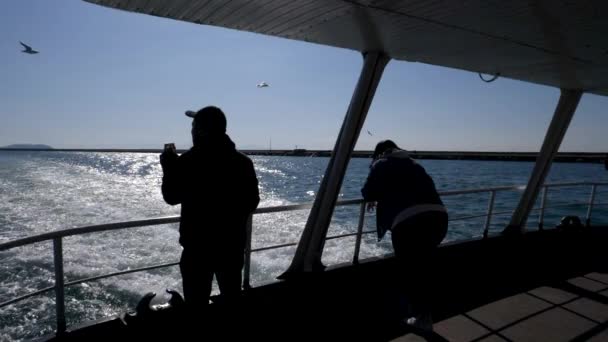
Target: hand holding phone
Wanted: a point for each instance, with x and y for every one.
(170, 147)
(169, 155)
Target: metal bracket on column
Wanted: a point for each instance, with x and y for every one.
(310, 247)
(568, 101)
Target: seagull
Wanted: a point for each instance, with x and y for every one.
(28, 49)
(370, 133)
(263, 85)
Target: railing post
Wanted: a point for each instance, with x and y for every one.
(489, 216)
(590, 208)
(247, 275)
(59, 281)
(541, 214)
(359, 233)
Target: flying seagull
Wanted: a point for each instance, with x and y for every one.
(263, 85)
(28, 49)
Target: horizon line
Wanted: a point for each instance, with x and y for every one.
(262, 150)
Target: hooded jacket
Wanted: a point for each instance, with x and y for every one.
(402, 189)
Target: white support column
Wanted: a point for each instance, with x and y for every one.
(310, 247)
(568, 101)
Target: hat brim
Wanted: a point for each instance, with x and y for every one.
(190, 113)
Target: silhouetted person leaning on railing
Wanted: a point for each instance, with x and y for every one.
(218, 190)
(409, 206)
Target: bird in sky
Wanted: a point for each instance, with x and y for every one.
(370, 133)
(263, 85)
(28, 49)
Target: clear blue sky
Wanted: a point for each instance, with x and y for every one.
(106, 78)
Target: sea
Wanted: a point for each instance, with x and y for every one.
(45, 191)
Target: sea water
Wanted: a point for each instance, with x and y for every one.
(47, 191)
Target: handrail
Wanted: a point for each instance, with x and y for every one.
(142, 223)
(26, 296)
(175, 219)
(87, 229)
(114, 274)
(57, 236)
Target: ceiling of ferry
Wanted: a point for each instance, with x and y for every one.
(560, 43)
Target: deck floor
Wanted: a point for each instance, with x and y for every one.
(572, 310)
(539, 286)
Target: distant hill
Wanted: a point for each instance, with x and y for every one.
(28, 147)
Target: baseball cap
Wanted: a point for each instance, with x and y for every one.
(210, 119)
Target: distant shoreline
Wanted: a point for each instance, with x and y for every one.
(575, 157)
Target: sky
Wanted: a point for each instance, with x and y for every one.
(111, 79)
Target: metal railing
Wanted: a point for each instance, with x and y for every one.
(57, 237)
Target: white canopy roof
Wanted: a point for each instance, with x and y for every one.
(560, 43)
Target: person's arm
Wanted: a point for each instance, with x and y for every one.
(252, 196)
(372, 187)
(171, 187)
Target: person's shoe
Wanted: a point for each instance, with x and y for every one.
(423, 322)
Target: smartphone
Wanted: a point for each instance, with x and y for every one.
(170, 147)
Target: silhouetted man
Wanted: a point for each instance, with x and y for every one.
(218, 190)
(409, 206)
